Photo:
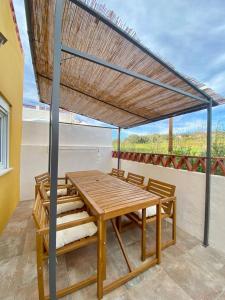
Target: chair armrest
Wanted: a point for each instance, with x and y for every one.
(168, 199)
(73, 197)
(76, 223)
(143, 187)
(60, 186)
(123, 178)
(62, 200)
(61, 179)
(67, 200)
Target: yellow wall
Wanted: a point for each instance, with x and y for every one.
(11, 89)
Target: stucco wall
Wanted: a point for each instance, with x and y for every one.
(81, 148)
(11, 90)
(190, 192)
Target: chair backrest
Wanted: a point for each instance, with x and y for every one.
(135, 179)
(117, 172)
(40, 216)
(43, 192)
(45, 178)
(163, 190)
(40, 213)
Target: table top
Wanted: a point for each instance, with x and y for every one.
(109, 196)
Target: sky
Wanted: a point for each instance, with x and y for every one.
(189, 34)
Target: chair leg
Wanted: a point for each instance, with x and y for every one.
(174, 233)
(40, 271)
(143, 235)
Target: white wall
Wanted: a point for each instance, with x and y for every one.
(81, 148)
(190, 192)
(38, 114)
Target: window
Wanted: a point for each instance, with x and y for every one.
(4, 134)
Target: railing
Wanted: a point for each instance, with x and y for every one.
(189, 163)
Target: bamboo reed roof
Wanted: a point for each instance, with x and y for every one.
(96, 91)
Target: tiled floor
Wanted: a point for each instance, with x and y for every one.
(187, 271)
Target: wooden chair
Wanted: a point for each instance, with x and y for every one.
(117, 173)
(65, 204)
(135, 179)
(45, 177)
(62, 186)
(41, 219)
(168, 202)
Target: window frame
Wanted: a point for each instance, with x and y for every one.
(4, 134)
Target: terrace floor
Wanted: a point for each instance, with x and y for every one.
(187, 271)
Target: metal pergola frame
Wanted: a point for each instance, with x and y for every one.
(206, 100)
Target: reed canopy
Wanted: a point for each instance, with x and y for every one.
(136, 87)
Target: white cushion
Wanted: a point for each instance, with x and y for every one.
(68, 206)
(69, 235)
(60, 192)
(150, 212)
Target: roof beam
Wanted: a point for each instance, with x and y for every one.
(167, 116)
(124, 34)
(128, 72)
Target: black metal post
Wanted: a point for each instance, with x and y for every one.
(54, 146)
(118, 149)
(208, 174)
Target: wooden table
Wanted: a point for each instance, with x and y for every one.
(109, 197)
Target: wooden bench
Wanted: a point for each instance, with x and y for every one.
(168, 202)
(41, 219)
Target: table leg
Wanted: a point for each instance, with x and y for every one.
(101, 257)
(158, 233)
(143, 235)
(104, 250)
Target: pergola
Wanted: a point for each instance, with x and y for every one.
(86, 64)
